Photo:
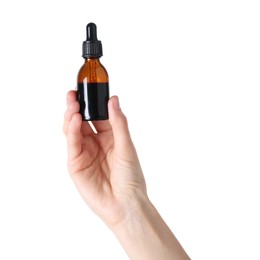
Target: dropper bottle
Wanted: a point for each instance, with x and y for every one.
(93, 87)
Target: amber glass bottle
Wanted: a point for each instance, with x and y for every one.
(93, 87)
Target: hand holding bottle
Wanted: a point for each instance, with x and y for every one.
(106, 171)
(103, 165)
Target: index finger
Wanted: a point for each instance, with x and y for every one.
(71, 97)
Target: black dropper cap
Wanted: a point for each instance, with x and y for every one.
(92, 47)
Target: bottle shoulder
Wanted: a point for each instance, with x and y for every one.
(92, 71)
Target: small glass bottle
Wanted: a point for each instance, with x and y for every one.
(93, 87)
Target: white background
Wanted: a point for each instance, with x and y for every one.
(188, 77)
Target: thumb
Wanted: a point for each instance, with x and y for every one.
(119, 124)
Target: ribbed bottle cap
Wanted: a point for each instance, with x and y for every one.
(92, 47)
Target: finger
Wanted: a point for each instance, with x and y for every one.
(71, 96)
(74, 136)
(102, 126)
(119, 124)
(71, 110)
(86, 129)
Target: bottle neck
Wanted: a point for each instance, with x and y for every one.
(92, 60)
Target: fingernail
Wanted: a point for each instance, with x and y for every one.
(116, 103)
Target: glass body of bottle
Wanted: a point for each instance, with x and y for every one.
(93, 90)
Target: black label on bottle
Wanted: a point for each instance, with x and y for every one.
(93, 100)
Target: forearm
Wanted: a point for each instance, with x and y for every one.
(145, 236)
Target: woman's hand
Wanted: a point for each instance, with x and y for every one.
(104, 165)
(105, 168)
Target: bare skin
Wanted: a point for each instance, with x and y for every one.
(106, 171)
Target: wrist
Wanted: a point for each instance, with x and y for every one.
(136, 227)
(129, 212)
(144, 235)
